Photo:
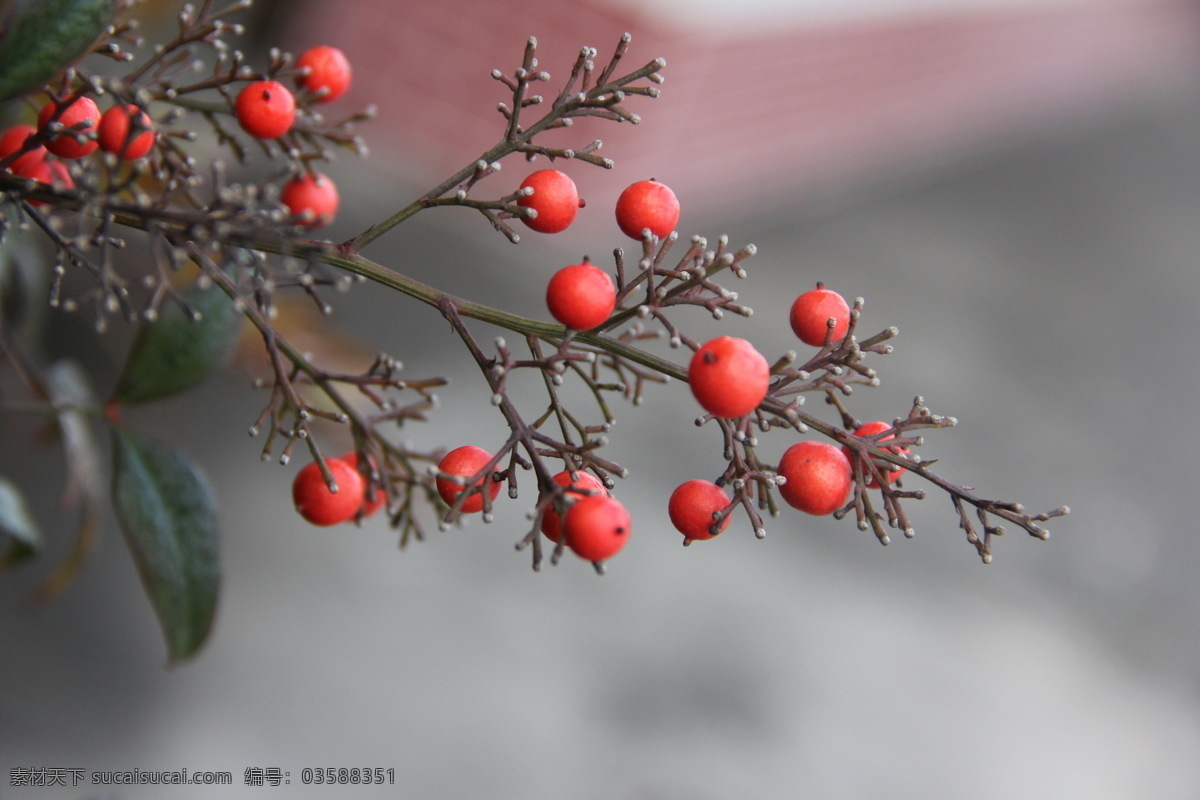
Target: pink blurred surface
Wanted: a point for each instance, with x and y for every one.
(748, 116)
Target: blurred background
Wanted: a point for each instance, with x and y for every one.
(1014, 184)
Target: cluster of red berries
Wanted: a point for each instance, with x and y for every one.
(727, 375)
(266, 109)
(595, 525)
(730, 378)
(583, 296)
(73, 128)
(551, 200)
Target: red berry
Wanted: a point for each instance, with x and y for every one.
(554, 198)
(812, 311)
(728, 376)
(596, 527)
(13, 140)
(328, 69)
(79, 111)
(50, 171)
(584, 485)
(647, 204)
(320, 506)
(890, 473)
(692, 506)
(818, 477)
(312, 198)
(373, 496)
(465, 462)
(265, 109)
(120, 134)
(581, 296)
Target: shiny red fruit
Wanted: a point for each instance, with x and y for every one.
(818, 476)
(554, 198)
(811, 312)
(585, 485)
(312, 199)
(320, 506)
(596, 527)
(647, 204)
(581, 296)
(50, 171)
(126, 131)
(692, 506)
(80, 111)
(265, 109)
(729, 378)
(466, 462)
(13, 140)
(328, 69)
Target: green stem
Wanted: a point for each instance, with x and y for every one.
(432, 296)
(356, 244)
(549, 331)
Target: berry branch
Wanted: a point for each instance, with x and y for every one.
(251, 242)
(603, 100)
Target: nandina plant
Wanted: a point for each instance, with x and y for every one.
(212, 253)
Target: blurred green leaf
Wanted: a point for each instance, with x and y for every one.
(40, 37)
(16, 525)
(12, 303)
(169, 518)
(175, 352)
(24, 282)
(70, 390)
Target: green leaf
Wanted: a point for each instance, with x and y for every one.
(169, 518)
(70, 391)
(176, 351)
(40, 37)
(24, 284)
(16, 525)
